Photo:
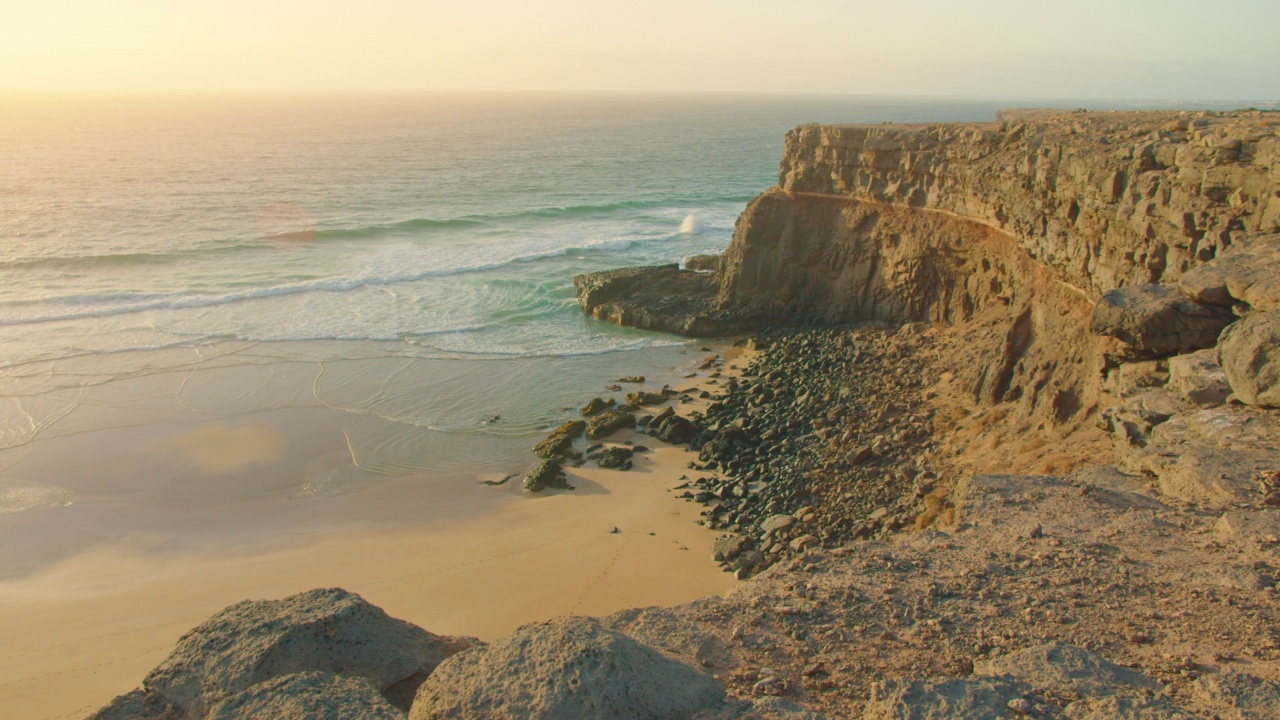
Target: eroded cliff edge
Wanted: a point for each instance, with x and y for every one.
(1016, 229)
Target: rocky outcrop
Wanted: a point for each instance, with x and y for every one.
(1250, 354)
(1157, 321)
(548, 473)
(1019, 227)
(567, 668)
(331, 631)
(662, 298)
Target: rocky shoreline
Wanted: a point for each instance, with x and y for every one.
(1008, 445)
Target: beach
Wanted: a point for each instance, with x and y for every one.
(459, 558)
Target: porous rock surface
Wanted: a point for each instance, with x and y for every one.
(1250, 352)
(326, 630)
(307, 696)
(566, 668)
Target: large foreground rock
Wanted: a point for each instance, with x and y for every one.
(327, 630)
(307, 696)
(1157, 320)
(608, 423)
(1250, 357)
(566, 668)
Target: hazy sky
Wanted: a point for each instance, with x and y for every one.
(1156, 49)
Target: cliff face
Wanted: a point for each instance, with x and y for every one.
(1102, 199)
(1020, 226)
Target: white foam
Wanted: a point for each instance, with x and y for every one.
(22, 496)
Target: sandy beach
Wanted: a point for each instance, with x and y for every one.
(483, 561)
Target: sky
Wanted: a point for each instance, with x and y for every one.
(1103, 49)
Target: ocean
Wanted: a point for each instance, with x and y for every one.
(395, 270)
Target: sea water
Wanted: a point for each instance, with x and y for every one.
(397, 269)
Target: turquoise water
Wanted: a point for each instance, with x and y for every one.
(452, 226)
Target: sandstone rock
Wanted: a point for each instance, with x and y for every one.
(567, 668)
(1065, 667)
(140, 705)
(1206, 475)
(726, 549)
(1116, 707)
(330, 631)
(1250, 355)
(546, 474)
(1157, 320)
(1199, 378)
(1133, 422)
(1250, 528)
(608, 423)
(774, 523)
(596, 405)
(1136, 377)
(1246, 275)
(1239, 696)
(307, 696)
(943, 699)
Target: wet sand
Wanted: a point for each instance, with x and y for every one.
(482, 561)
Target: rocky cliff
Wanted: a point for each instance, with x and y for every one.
(1019, 227)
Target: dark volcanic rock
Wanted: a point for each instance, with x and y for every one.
(331, 631)
(567, 668)
(608, 423)
(1157, 320)
(560, 441)
(616, 457)
(596, 405)
(675, 430)
(640, 399)
(546, 474)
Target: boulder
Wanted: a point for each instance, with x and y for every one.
(326, 630)
(676, 430)
(971, 698)
(1157, 320)
(307, 696)
(546, 474)
(596, 405)
(642, 398)
(560, 441)
(566, 668)
(608, 423)
(1250, 356)
(1249, 275)
(616, 457)
(1199, 378)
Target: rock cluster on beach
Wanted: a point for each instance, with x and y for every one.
(817, 444)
